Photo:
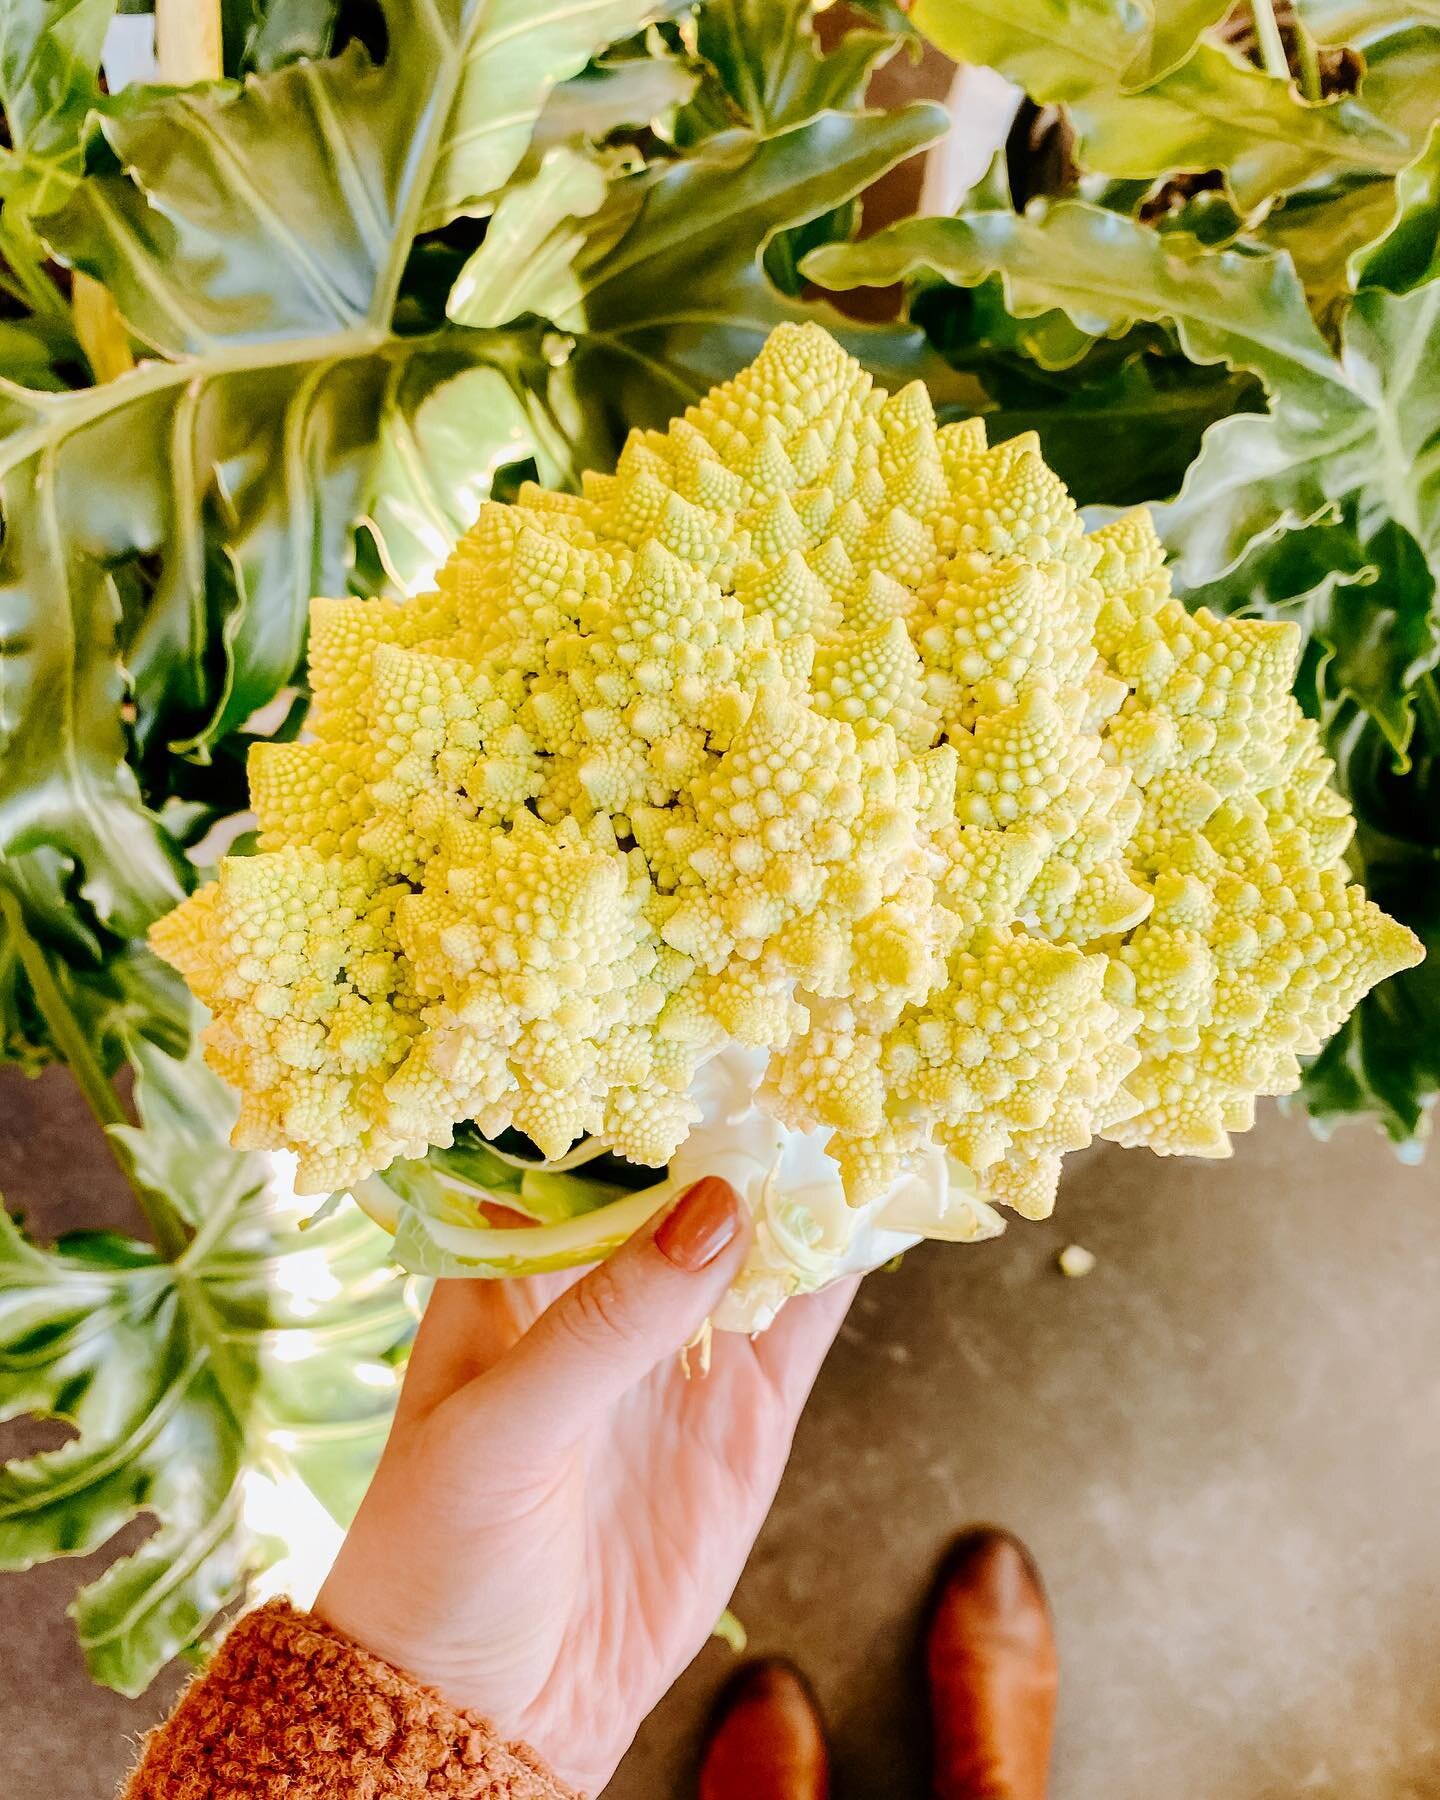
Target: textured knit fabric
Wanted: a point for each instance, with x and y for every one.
(292, 1710)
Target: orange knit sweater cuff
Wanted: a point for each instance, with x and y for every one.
(290, 1707)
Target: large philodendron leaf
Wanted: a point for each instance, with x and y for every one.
(1141, 109)
(58, 970)
(1369, 437)
(511, 55)
(1406, 254)
(288, 207)
(611, 96)
(248, 1384)
(524, 264)
(267, 34)
(1105, 272)
(767, 72)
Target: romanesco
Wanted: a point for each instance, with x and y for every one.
(817, 729)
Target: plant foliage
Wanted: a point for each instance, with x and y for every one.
(261, 1357)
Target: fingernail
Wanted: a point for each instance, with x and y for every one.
(699, 1225)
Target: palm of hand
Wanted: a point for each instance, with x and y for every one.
(553, 1565)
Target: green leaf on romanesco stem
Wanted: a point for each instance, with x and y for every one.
(815, 728)
(238, 1395)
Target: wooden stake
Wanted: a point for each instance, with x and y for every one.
(188, 44)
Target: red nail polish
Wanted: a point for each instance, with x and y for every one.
(699, 1225)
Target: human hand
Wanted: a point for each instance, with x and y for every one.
(561, 1515)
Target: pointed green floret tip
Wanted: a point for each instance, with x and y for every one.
(816, 728)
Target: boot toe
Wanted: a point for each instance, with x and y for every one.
(992, 1668)
(766, 1739)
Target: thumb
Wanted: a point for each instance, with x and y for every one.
(609, 1330)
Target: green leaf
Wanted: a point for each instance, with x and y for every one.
(267, 34)
(1350, 21)
(28, 354)
(49, 61)
(261, 1364)
(524, 264)
(1105, 272)
(49, 69)
(975, 327)
(1401, 59)
(497, 62)
(769, 70)
(112, 989)
(1371, 433)
(443, 438)
(1061, 50)
(609, 96)
(64, 781)
(288, 207)
(1407, 254)
(1214, 112)
(1324, 227)
(672, 296)
(769, 73)
(1175, 29)
(788, 249)
(249, 215)
(1208, 111)
(1125, 434)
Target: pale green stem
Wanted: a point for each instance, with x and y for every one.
(564, 1245)
(1272, 45)
(1309, 62)
(70, 1040)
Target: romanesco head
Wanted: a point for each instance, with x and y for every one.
(817, 727)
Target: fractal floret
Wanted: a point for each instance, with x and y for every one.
(812, 787)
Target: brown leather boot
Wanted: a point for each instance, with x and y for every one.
(990, 1658)
(766, 1740)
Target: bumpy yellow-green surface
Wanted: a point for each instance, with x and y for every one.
(815, 727)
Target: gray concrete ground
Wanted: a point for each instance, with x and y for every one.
(1223, 1446)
